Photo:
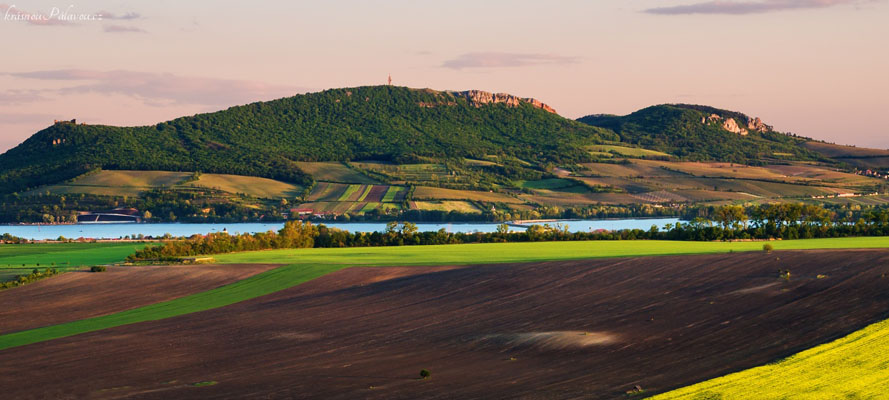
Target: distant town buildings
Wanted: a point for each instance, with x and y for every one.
(873, 173)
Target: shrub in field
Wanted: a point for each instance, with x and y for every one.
(424, 373)
(35, 275)
(636, 390)
(784, 274)
(97, 268)
(768, 247)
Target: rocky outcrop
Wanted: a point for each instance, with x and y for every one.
(479, 98)
(732, 126)
(756, 124)
(539, 104)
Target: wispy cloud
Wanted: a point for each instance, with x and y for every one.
(11, 13)
(122, 17)
(505, 60)
(123, 29)
(162, 88)
(746, 7)
(14, 96)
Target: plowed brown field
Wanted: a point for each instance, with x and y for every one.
(80, 294)
(572, 329)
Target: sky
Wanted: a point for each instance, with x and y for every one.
(816, 68)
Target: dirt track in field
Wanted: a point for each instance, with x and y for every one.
(553, 330)
(80, 294)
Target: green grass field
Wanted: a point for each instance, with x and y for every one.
(349, 192)
(535, 251)
(392, 193)
(22, 259)
(625, 151)
(45, 254)
(365, 192)
(853, 367)
(307, 264)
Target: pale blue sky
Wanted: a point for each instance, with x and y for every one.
(813, 67)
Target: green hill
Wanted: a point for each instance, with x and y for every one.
(385, 152)
(701, 133)
(267, 138)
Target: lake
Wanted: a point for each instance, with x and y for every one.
(116, 231)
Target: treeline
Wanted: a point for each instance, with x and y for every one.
(780, 221)
(157, 205)
(10, 239)
(35, 275)
(294, 234)
(787, 221)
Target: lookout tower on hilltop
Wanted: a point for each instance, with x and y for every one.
(390, 80)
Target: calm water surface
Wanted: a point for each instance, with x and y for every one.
(115, 231)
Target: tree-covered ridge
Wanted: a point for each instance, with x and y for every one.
(686, 131)
(265, 138)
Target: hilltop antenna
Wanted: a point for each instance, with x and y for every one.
(390, 79)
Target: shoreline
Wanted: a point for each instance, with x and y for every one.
(338, 222)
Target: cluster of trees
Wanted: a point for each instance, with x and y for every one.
(35, 275)
(294, 234)
(10, 239)
(677, 129)
(785, 221)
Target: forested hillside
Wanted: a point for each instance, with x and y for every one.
(266, 138)
(698, 133)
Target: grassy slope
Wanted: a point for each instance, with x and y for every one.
(119, 183)
(132, 183)
(249, 185)
(334, 172)
(447, 205)
(627, 151)
(841, 151)
(307, 264)
(432, 193)
(853, 367)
